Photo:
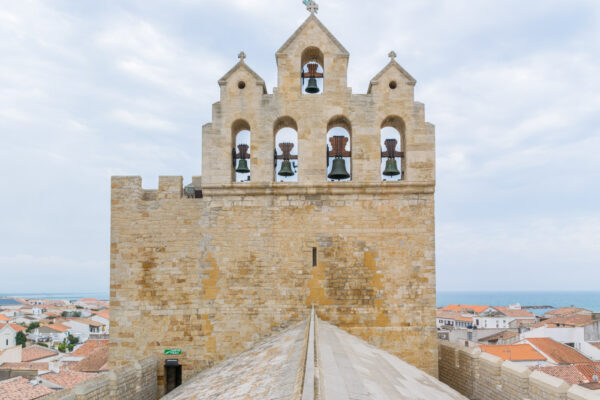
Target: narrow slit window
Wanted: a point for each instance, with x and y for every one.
(314, 254)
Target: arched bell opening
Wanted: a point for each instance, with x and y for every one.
(285, 154)
(312, 71)
(240, 152)
(392, 149)
(339, 149)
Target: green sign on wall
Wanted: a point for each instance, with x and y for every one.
(172, 352)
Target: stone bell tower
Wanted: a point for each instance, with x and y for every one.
(338, 214)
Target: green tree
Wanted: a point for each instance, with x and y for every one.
(21, 339)
(76, 314)
(62, 347)
(33, 326)
(72, 340)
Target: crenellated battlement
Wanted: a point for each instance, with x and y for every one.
(479, 375)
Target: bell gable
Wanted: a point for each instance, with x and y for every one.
(312, 38)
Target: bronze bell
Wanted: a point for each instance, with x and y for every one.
(312, 86)
(391, 168)
(286, 169)
(242, 167)
(338, 170)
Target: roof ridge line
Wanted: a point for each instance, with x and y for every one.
(309, 381)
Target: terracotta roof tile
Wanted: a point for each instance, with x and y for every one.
(499, 335)
(453, 315)
(463, 307)
(17, 328)
(566, 311)
(558, 352)
(20, 389)
(57, 327)
(33, 353)
(39, 366)
(567, 373)
(104, 314)
(86, 321)
(66, 378)
(574, 320)
(4, 318)
(589, 370)
(513, 352)
(93, 362)
(88, 347)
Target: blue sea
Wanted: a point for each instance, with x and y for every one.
(59, 296)
(589, 300)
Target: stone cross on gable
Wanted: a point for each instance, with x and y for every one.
(392, 55)
(311, 6)
(242, 56)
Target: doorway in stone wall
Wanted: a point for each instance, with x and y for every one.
(172, 374)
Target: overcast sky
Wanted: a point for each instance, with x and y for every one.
(90, 89)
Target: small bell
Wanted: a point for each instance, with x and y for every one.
(312, 86)
(286, 169)
(338, 170)
(391, 168)
(242, 167)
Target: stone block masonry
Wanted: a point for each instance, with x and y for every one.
(482, 376)
(135, 381)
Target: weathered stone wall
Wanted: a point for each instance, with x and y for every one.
(212, 276)
(482, 376)
(136, 381)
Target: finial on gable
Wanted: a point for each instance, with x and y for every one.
(392, 55)
(242, 56)
(311, 6)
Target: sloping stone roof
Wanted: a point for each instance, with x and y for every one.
(410, 80)
(314, 360)
(313, 18)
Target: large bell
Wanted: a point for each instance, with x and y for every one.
(338, 170)
(286, 169)
(391, 168)
(242, 167)
(312, 87)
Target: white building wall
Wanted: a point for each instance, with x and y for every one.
(562, 335)
(591, 352)
(79, 330)
(7, 337)
(106, 323)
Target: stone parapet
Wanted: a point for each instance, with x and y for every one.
(483, 376)
(135, 381)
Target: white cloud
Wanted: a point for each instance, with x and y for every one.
(143, 121)
(512, 88)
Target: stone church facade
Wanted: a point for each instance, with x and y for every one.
(213, 268)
